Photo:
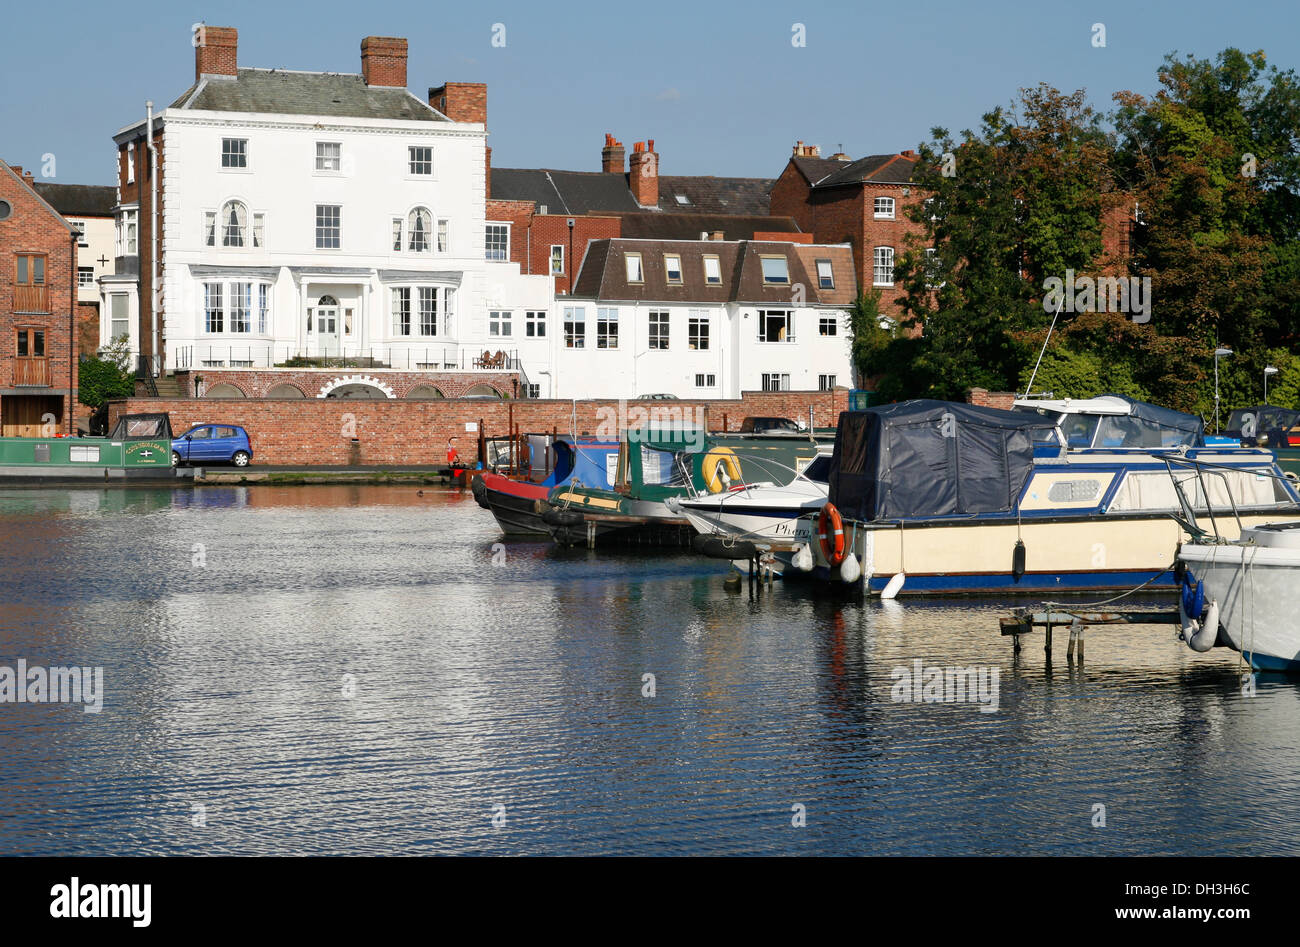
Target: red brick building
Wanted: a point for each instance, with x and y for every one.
(550, 216)
(863, 203)
(38, 322)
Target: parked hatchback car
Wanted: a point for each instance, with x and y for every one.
(212, 444)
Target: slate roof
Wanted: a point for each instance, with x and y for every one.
(598, 192)
(877, 169)
(669, 226)
(711, 195)
(816, 169)
(564, 192)
(604, 275)
(278, 92)
(79, 200)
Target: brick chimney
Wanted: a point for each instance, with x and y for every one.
(613, 157)
(461, 101)
(383, 61)
(806, 151)
(216, 51)
(643, 174)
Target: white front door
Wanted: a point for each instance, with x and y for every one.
(323, 328)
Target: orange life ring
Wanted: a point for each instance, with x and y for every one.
(830, 533)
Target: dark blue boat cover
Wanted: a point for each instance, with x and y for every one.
(931, 458)
(1165, 417)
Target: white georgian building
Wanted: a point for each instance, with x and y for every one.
(313, 214)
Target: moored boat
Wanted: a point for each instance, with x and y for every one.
(931, 497)
(518, 504)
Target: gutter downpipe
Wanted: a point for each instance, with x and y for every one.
(153, 234)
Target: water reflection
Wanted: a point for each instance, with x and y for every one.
(523, 684)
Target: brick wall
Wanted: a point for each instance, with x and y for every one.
(320, 431)
(138, 192)
(32, 228)
(532, 236)
(87, 328)
(991, 399)
(311, 382)
(383, 61)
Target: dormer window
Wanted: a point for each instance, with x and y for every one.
(776, 271)
(633, 263)
(682, 199)
(673, 267)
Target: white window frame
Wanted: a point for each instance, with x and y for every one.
(500, 323)
(535, 324)
(82, 273)
(442, 235)
(828, 322)
(763, 315)
(882, 208)
(606, 317)
(659, 323)
(425, 317)
(706, 380)
(575, 327)
(775, 381)
(411, 161)
(826, 382)
(882, 262)
(241, 154)
(336, 159)
(130, 162)
(488, 228)
(696, 320)
(560, 271)
(337, 226)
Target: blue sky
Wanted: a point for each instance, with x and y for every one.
(720, 87)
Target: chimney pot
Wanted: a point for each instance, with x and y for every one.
(613, 156)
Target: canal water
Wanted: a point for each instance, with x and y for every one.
(361, 670)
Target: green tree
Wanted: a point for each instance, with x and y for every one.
(105, 377)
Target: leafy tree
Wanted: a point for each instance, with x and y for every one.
(105, 377)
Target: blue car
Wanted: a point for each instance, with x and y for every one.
(212, 444)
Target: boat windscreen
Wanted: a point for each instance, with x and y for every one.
(1079, 429)
(819, 469)
(663, 468)
(1135, 432)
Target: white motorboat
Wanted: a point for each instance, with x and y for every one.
(762, 513)
(1252, 586)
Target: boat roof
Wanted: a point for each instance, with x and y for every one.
(1103, 404)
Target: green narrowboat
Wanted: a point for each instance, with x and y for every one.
(138, 449)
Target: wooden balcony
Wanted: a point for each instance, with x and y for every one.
(31, 372)
(31, 298)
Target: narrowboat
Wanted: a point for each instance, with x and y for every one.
(139, 448)
(518, 504)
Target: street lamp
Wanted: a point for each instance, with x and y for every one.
(1218, 354)
(1269, 370)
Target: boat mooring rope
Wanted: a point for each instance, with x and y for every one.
(1089, 605)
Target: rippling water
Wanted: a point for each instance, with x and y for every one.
(233, 623)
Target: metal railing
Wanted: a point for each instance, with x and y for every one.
(461, 358)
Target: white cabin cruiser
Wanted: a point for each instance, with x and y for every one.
(1242, 593)
(762, 513)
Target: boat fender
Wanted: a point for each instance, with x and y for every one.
(893, 586)
(1201, 636)
(850, 570)
(479, 489)
(721, 547)
(803, 559)
(561, 518)
(1192, 599)
(1018, 560)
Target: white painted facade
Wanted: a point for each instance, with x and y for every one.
(276, 294)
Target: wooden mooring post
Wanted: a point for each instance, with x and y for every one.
(1024, 621)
